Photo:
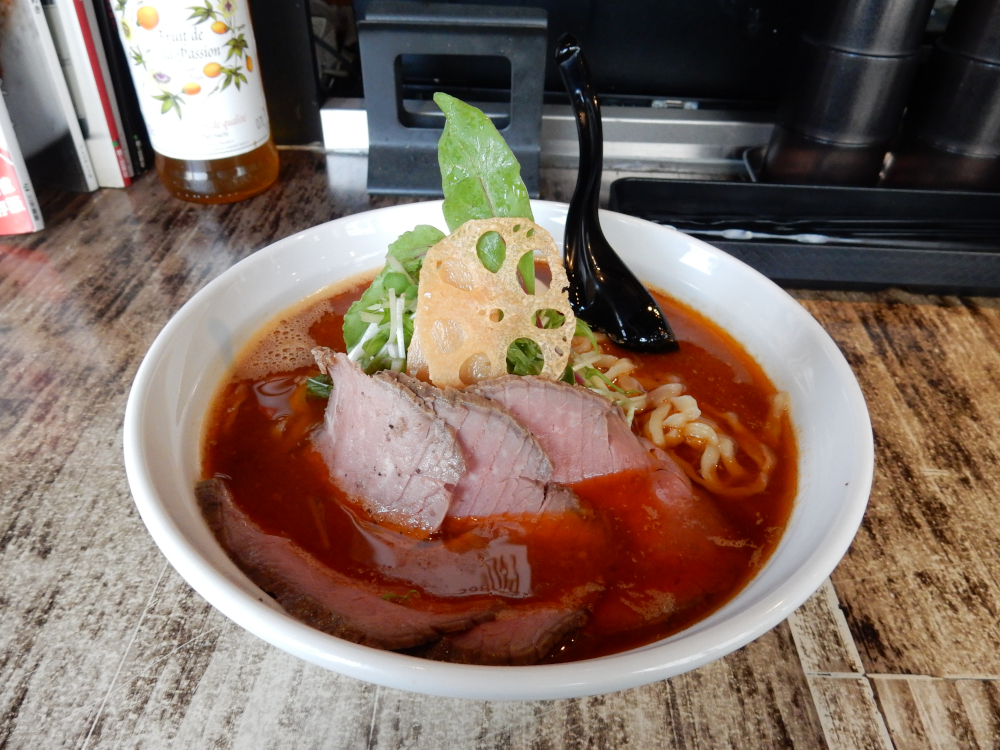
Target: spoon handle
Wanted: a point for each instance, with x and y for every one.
(602, 289)
(582, 215)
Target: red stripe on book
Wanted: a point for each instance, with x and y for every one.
(95, 66)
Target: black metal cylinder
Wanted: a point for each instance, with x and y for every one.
(798, 159)
(951, 134)
(958, 107)
(870, 27)
(974, 30)
(847, 91)
(844, 97)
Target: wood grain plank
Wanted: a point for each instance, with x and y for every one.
(850, 718)
(755, 697)
(194, 679)
(78, 570)
(942, 714)
(930, 369)
(822, 638)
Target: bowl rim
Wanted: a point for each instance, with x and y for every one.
(644, 665)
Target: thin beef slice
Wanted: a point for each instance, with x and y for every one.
(517, 637)
(507, 471)
(384, 447)
(584, 434)
(322, 597)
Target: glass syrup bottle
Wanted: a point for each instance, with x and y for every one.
(198, 81)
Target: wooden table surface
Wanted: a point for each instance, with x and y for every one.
(102, 644)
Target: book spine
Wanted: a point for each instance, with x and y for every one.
(133, 127)
(64, 95)
(19, 209)
(98, 75)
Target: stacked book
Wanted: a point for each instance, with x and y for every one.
(69, 117)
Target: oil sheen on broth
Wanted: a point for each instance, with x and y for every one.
(645, 570)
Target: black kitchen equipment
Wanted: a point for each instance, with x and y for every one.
(951, 133)
(640, 50)
(602, 289)
(402, 152)
(846, 92)
(834, 237)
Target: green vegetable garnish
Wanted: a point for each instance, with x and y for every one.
(492, 251)
(526, 272)
(400, 598)
(524, 357)
(480, 177)
(582, 329)
(550, 319)
(319, 386)
(374, 325)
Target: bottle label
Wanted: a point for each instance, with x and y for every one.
(196, 74)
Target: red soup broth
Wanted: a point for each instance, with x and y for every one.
(645, 570)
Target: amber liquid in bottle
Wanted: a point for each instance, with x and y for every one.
(227, 180)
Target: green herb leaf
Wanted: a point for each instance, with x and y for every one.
(319, 386)
(526, 270)
(524, 357)
(401, 598)
(374, 344)
(395, 281)
(408, 251)
(492, 251)
(550, 319)
(568, 375)
(480, 177)
(411, 247)
(582, 329)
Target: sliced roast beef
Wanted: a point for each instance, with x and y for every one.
(506, 469)
(319, 596)
(668, 480)
(584, 434)
(385, 447)
(518, 636)
(491, 559)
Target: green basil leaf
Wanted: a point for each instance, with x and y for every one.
(374, 344)
(524, 357)
(409, 249)
(526, 270)
(395, 281)
(319, 386)
(480, 177)
(492, 251)
(550, 319)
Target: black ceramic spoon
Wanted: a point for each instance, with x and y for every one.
(602, 289)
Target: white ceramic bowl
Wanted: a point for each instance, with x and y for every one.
(191, 355)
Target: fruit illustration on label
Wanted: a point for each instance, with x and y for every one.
(199, 92)
(147, 17)
(221, 17)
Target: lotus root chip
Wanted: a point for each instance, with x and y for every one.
(467, 316)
